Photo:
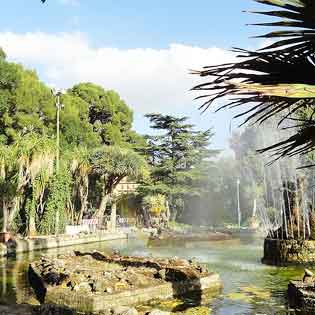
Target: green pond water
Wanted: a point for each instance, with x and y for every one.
(249, 286)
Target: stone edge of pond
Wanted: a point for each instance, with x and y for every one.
(279, 252)
(18, 246)
(301, 296)
(89, 303)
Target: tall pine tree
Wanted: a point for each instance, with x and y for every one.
(174, 154)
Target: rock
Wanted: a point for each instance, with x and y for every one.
(158, 312)
(99, 285)
(140, 280)
(200, 310)
(182, 262)
(309, 273)
(202, 269)
(181, 274)
(124, 310)
(46, 264)
(116, 252)
(122, 284)
(84, 286)
(161, 274)
(109, 290)
(96, 286)
(31, 301)
(308, 276)
(107, 274)
(52, 278)
(76, 280)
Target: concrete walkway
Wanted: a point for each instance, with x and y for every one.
(20, 245)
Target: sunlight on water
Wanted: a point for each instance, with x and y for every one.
(249, 286)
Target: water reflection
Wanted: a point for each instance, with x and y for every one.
(249, 286)
(13, 282)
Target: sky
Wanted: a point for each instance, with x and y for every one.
(142, 49)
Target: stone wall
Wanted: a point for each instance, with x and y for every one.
(211, 285)
(288, 252)
(302, 296)
(41, 243)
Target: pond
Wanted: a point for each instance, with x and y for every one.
(249, 286)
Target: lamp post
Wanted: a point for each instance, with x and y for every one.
(238, 203)
(57, 95)
(58, 106)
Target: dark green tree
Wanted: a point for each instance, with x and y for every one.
(109, 115)
(174, 155)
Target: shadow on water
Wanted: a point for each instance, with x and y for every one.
(195, 297)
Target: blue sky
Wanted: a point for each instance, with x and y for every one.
(139, 23)
(143, 49)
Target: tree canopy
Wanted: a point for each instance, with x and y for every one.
(91, 116)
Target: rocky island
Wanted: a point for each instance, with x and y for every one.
(95, 282)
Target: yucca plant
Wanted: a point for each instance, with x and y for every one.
(35, 158)
(112, 164)
(275, 81)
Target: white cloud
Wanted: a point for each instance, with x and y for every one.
(147, 78)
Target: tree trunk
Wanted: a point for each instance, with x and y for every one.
(173, 215)
(146, 218)
(31, 225)
(168, 212)
(101, 210)
(81, 213)
(83, 191)
(113, 217)
(14, 210)
(5, 216)
(293, 218)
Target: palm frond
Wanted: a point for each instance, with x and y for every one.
(266, 83)
(293, 14)
(278, 78)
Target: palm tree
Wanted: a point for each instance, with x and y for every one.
(35, 158)
(7, 182)
(27, 163)
(277, 80)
